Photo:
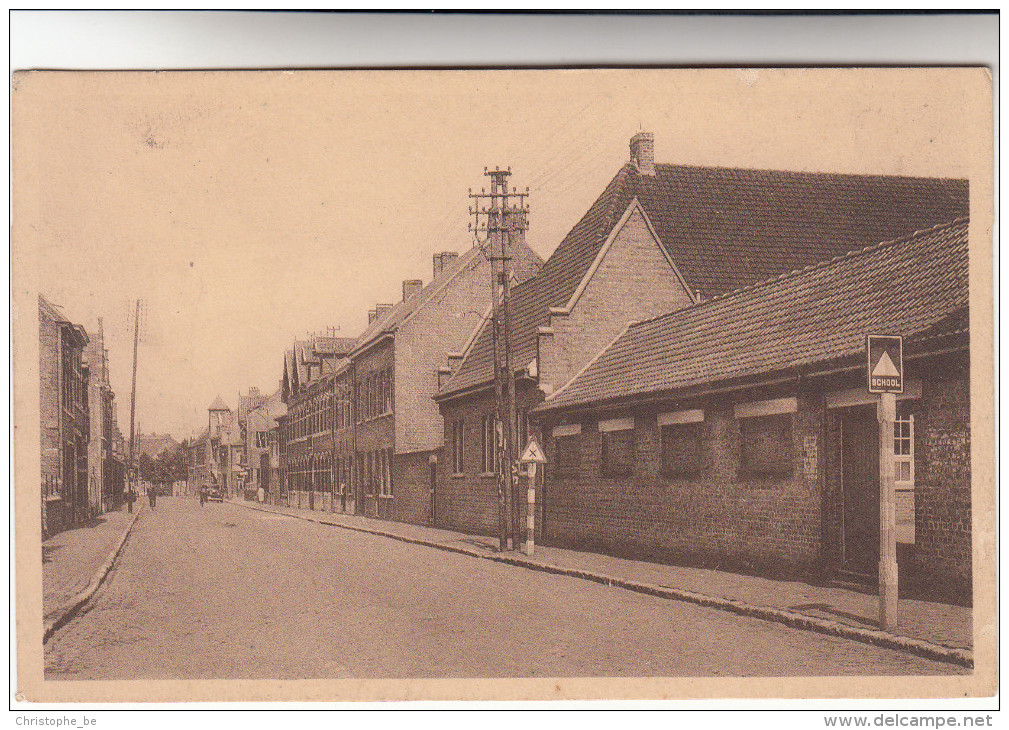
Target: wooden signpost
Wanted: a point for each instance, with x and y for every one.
(533, 455)
(885, 372)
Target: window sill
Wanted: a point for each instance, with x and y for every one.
(487, 474)
(457, 475)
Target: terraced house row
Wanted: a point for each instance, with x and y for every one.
(691, 356)
(82, 448)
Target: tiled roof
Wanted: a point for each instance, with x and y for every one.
(218, 405)
(725, 228)
(915, 286)
(339, 346)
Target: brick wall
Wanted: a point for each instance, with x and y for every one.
(374, 434)
(718, 518)
(942, 477)
(468, 502)
(411, 486)
(634, 281)
(49, 393)
(442, 326)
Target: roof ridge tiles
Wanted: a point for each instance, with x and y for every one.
(807, 269)
(794, 173)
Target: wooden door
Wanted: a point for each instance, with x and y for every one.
(860, 483)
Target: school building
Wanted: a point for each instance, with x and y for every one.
(660, 237)
(739, 432)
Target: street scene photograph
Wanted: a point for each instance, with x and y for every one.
(503, 375)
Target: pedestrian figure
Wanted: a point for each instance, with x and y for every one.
(152, 496)
(131, 495)
(261, 495)
(203, 494)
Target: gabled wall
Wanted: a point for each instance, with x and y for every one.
(632, 280)
(423, 341)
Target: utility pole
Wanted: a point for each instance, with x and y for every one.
(133, 394)
(499, 214)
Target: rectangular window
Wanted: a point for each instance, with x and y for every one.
(567, 455)
(389, 383)
(260, 439)
(903, 452)
(457, 447)
(766, 445)
(387, 472)
(903, 473)
(681, 450)
(618, 453)
(488, 444)
(370, 473)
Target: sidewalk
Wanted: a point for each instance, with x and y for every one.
(71, 558)
(923, 621)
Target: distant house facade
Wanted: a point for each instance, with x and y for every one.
(262, 446)
(306, 439)
(155, 444)
(739, 433)
(104, 486)
(198, 453)
(659, 238)
(225, 449)
(65, 420)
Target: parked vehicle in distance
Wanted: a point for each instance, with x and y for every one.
(215, 494)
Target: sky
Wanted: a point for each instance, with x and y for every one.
(251, 208)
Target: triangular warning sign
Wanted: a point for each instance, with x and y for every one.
(533, 453)
(885, 367)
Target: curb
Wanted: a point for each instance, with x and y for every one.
(918, 647)
(59, 616)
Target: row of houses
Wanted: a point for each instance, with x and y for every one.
(82, 448)
(691, 357)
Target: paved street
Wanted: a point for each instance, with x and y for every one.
(227, 592)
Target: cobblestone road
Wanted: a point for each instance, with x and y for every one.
(226, 592)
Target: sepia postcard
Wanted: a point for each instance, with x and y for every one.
(503, 384)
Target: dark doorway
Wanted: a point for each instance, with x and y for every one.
(860, 483)
(264, 472)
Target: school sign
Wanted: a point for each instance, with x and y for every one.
(885, 363)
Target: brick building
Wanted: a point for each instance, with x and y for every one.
(739, 432)
(225, 449)
(104, 487)
(197, 450)
(262, 446)
(660, 237)
(392, 425)
(65, 420)
(306, 442)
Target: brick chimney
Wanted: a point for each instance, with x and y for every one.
(442, 260)
(372, 316)
(411, 287)
(381, 310)
(643, 152)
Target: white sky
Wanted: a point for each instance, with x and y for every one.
(249, 209)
